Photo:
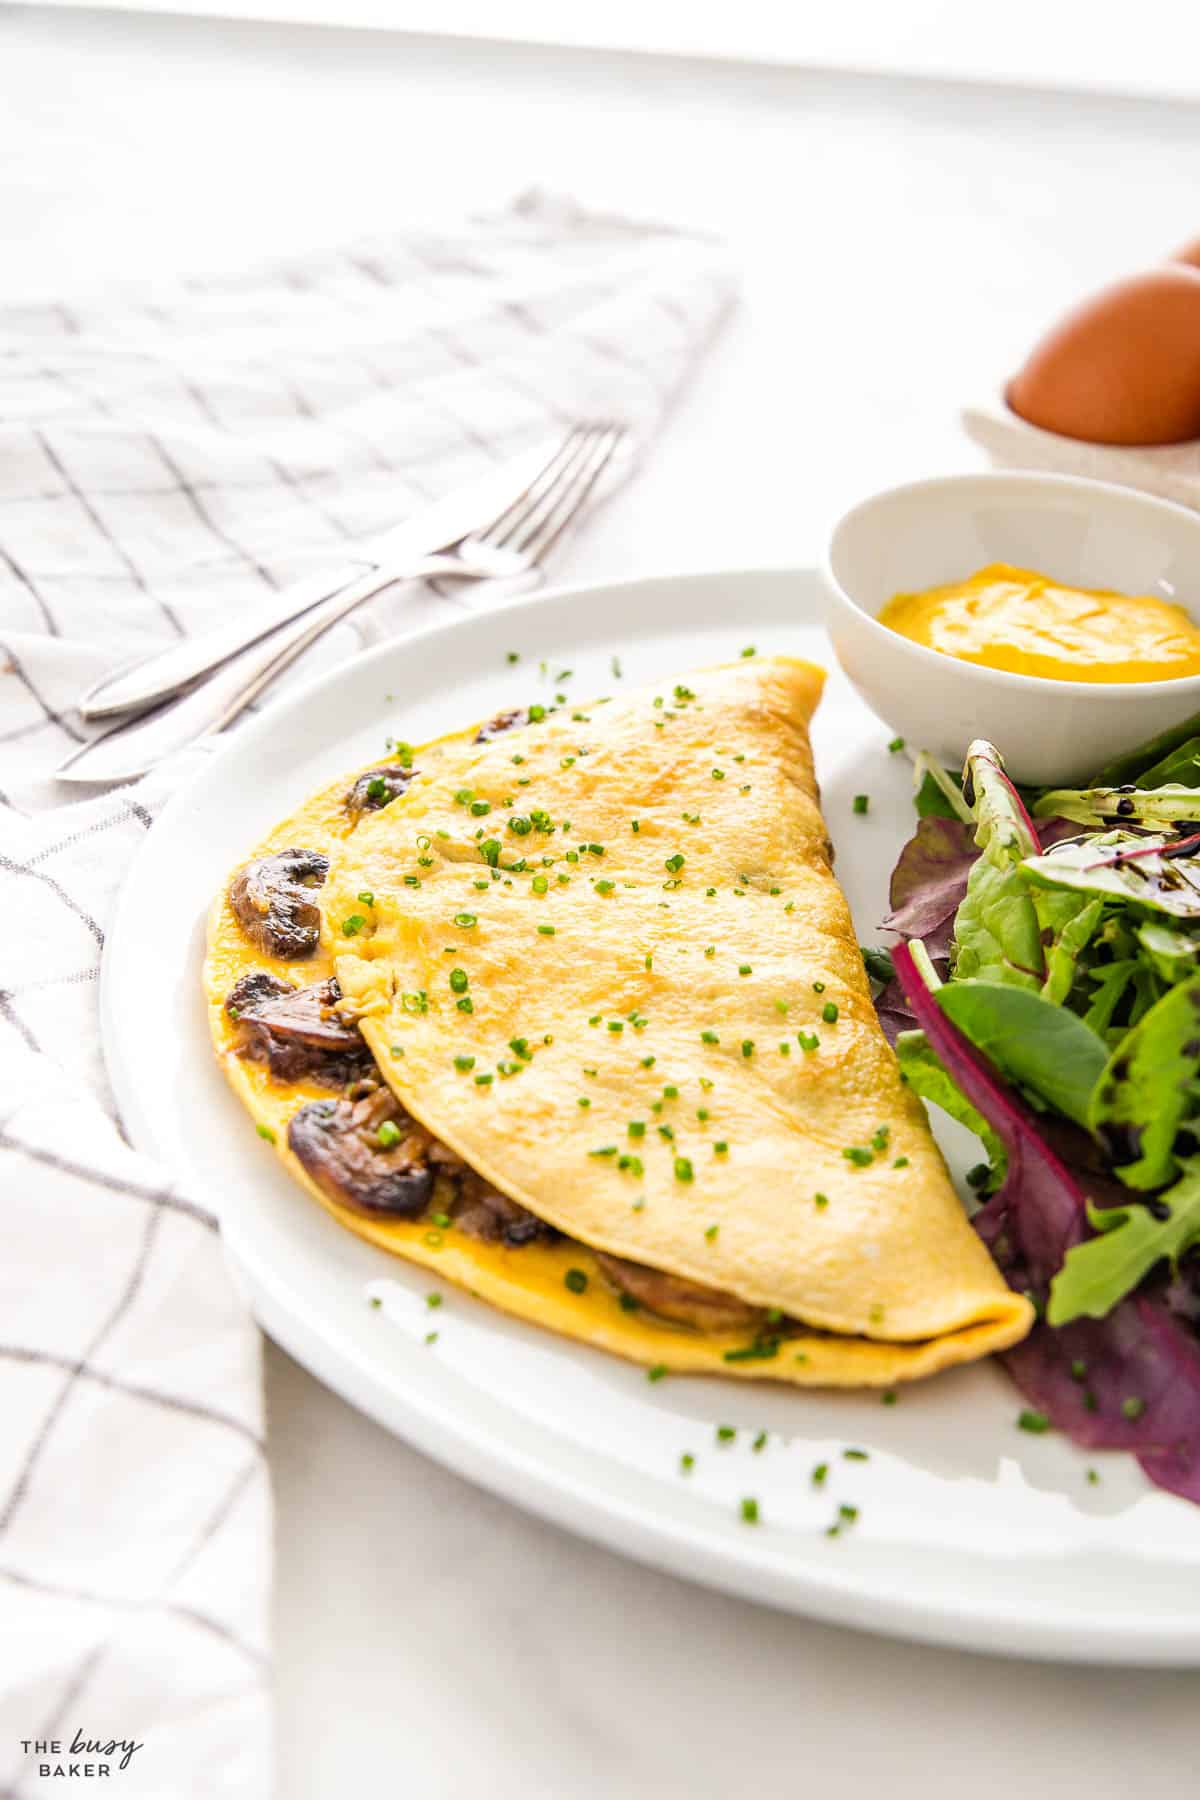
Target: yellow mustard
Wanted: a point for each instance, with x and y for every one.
(1029, 624)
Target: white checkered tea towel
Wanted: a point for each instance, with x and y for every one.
(166, 458)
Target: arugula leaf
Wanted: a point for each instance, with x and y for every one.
(1043, 1046)
(1144, 757)
(1132, 1239)
(1111, 979)
(927, 1078)
(1162, 873)
(1108, 809)
(1148, 1089)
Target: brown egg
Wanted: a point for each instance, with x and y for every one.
(1123, 367)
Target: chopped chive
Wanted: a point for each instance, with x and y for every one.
(657, 1372)
(1133, 1408)
(820, 1201)
(889, 1397)
(464, 1063)
(861, 802)
(760, 1442)
(1030, 1420)
(818, 1475)
(546, 931)
(856, 1456)
(388, 1135)
(459, 981)
(897, 743)
(353, 925)
(829, 1012)
(687, 1463)
(683, 1169)
(726, 1434)
(711, 1233)
(264, 1131)
(747, 1046)
(750, 1510)
(636, 1128)
(465, 920)
(576, 1281)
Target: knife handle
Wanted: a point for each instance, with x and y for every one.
(132, 746)
(151, 680)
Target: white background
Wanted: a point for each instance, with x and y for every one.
(901, 242)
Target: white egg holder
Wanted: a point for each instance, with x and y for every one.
(1169, 470)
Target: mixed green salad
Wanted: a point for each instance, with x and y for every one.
(1046, 993)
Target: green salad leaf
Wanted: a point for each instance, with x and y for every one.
(1149, 1089)
(997, 933)
(1006, 930)
(1043, 1046)
(1147, 759)
(1173, 955)
(1131, 1240)
(1112, 981)
(1181, 766)
(937, 795)
(927, 1078)
(1107, 809)
(1120, 867)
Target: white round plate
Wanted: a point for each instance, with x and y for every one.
(969, 1531)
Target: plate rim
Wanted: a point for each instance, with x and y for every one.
(846, 1594)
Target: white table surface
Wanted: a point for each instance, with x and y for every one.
(901, 242)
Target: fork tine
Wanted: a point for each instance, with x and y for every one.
(571, 497)
(547, 477)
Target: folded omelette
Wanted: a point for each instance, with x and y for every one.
(570, 1007)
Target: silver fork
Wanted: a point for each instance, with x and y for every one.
(513, 546)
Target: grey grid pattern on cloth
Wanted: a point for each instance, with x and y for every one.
(166, 458)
